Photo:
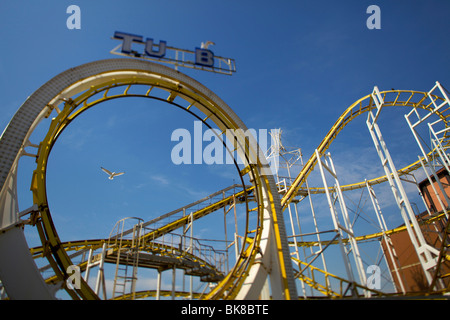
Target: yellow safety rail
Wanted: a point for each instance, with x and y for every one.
(344, 284)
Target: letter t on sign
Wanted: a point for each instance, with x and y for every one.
(127, 39)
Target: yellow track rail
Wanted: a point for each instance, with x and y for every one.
(163, 293)
(368, 237)
(392, 98)
(344, 284)
(55, 252)
(99, 92)
(94, 244)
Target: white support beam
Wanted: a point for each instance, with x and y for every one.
(387, 239)
(347, 228)
(426, 253)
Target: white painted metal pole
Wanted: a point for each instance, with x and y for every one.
(174, 273)
(349, 227)
(423, 250)
(382, 223)
(334, 217)
(158, 286)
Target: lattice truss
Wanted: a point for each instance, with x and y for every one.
(306, 234)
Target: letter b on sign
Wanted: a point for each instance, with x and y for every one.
(204, 57)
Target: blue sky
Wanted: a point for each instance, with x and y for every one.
(300, 64)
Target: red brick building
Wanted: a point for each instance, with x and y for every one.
(433, 228)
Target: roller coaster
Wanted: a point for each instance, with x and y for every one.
(268, 256)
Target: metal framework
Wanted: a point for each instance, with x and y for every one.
(271, 256)
(425, 252)
(342, 231)
(78, 89)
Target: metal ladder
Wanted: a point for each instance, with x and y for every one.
(127, 257)
(427, 254)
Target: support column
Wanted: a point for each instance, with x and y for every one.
(340, 229)
(387, 239)
(426, 253)
(19, 272)
(17, 267)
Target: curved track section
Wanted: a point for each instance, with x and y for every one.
(392, 98)
(423, 105)
(265, 248)
(76, 90)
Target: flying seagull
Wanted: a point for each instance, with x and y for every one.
(112, 174)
